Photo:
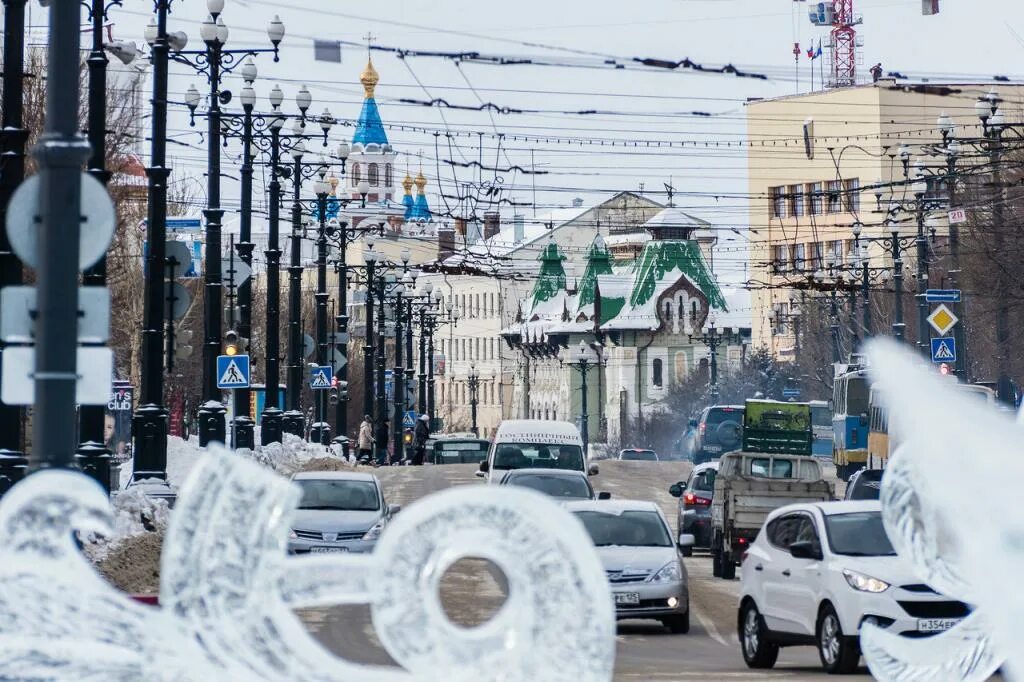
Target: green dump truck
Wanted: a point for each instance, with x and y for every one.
(774, 468)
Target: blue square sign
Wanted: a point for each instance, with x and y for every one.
(944, 349)
(321, 378)
(232, 371)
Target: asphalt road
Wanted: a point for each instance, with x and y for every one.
(645, 651)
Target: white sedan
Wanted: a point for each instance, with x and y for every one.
(817, 572)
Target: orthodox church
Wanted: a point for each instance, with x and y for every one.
(372, 161)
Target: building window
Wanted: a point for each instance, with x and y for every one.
(851, 189)
(799, 257)
(814, 197)
(781, 257)
(388, 177)
(668, 312)
(371, 174)
(356, 173)
(834, 192)
(781, 318)
(778, 202)
(796, 201)
(656, 373)
(816, 255)
(835, 253)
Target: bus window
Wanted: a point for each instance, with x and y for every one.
(856, 397)
(821, 415)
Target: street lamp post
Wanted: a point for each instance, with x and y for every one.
(474, 386)
(712, 338)
(385, 280)
(583, 362)
(398, 373)
(321, 430)
(12, 171)
(214, 63)
(293, 421)
(92, 455)
(370, 257)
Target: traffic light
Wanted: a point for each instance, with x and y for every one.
(332, 393)
(407, 437)
(343, 390)
(232, 343)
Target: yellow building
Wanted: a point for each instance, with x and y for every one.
(818, 163)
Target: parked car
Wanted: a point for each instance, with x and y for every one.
(695, 496)
(719, 430)
(816, 572)
(645, 572)
(534, 444)
(866, 484)
(458, 449)
(565, 486)
(638, 455)
(340, 511)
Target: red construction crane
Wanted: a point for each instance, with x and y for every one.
(838, 14)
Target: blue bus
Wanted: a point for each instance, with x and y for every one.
(851, 407)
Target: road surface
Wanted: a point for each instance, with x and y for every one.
(645, 650)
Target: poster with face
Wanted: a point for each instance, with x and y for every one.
(117, 426)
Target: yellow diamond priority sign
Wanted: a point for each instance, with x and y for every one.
(942, 320)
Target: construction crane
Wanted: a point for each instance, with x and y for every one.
(843, 43)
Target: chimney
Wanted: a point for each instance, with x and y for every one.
(577, 202)
(445, 242)
(460, 227)
(492, 224)
(518, 228)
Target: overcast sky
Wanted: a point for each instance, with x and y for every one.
(974, 39)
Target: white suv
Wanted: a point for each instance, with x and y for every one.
(816, 572)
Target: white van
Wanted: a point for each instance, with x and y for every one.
(534, 444)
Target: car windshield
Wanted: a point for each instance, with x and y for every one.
(538, 456)
(724, 414)
(566, 487)
(628, 529)
(858, 534)
(462, 447)
(342, 495)
(867, 486)
(639, 455)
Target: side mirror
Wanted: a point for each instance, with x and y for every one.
(593, 470)
(685, 540)
(394, 509)
(485, 466)
(676, 490)
(604, 496)
(480, 474)
(804, 550)
(693, 423)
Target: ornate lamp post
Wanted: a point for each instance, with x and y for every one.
(583, 360)
(214, 63)
(473, 383)
(321, 431)
(712, 338)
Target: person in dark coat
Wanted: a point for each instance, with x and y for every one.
(380, 442)
(421, 435)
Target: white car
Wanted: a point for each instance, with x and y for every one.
(816, 572)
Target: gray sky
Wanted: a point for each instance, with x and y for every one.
(971, 38)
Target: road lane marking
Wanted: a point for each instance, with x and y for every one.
(709, 626)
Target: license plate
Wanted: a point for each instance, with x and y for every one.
(936, 624)
(327, 550)
(713, 448)
(627, 598)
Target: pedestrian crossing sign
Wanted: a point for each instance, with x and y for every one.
(321, 377)
(944, 349)
(232, 371)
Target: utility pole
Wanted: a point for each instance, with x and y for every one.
(60, 154)
(12, 171)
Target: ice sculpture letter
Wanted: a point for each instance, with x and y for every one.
(228, 590)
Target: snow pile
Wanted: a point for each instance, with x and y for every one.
(135, 513)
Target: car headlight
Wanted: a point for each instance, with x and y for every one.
(374, 532)
(864, 583)
(670, 572)
(292, 535)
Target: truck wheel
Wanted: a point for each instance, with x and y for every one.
(728, 566)
(716, 564)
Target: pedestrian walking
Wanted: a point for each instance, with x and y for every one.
(421, 434)
(380, 442)
(365, 440)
